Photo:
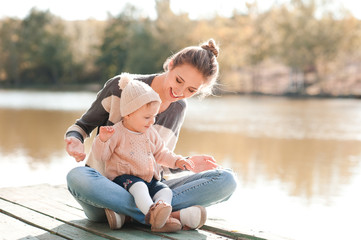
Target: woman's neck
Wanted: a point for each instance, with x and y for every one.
(157, 85)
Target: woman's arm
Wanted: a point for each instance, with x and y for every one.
(97, 115)
(203, 163)
(75, 148)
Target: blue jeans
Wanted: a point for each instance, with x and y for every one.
(94, 192)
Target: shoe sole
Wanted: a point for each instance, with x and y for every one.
(203, 216)
(113, 219)
(169, 227)
(161, 218)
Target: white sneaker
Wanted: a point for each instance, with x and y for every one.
(193, 217)
(115, 220)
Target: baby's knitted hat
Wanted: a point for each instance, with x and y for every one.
(135, 94)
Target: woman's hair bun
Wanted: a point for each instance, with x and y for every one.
(211, 46)
(125, 78)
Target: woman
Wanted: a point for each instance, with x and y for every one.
(190, 71)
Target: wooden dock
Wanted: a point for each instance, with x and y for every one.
(45, 212)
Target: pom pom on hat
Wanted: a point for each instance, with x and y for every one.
(135, 94)
(124, 80)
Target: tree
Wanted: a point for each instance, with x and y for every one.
(46, 56)
(172, 32)
(136, 44)
(115, 45)
(146, 54)
(10, 59)
(307, 39)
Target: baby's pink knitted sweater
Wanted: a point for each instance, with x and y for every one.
(127, 152)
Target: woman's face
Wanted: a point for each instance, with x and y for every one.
(182, 82)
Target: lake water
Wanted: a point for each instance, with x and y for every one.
(297, 160)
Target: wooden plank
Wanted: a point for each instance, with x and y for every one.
(31, 238)
(30, 193)
(192, 234)
(220, 227)
(45, 223)
(200, 234)
(230, 234)
(11, 228)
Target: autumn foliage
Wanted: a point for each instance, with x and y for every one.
(299, 48)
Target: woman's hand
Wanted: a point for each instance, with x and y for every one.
(105, 133)
(184, 164)
(75, 148)
(203, 163)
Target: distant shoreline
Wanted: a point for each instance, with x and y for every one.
(97, 87)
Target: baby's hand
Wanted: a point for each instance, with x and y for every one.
(105, 133)
(184, 163)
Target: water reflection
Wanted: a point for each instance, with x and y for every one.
(38, 134)
(307, 168)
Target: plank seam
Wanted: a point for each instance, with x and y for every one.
(81, 227)
(233, 235)
(32, 224)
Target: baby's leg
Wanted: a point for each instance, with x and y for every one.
(165, 195)
(155, 214)
(140, 192)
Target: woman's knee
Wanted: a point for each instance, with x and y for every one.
(78, 180)
(227, 181)
(73, 176)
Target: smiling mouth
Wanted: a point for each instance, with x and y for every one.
(174, 95)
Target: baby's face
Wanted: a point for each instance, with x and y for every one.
(141, 120)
